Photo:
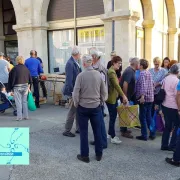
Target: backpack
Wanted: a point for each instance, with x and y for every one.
(105, 77)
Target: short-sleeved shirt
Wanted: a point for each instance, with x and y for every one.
(129, 77)
(178, 86)
(4, 73)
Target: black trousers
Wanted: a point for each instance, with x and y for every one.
(44, 90)
(35, 81)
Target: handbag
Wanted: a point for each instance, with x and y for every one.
(128, 116)
(31, 103)
(160, 97)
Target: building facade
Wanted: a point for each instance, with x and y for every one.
(143, 28)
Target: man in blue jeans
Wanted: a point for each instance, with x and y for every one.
(96, 64)
(89, 91)
(145, 97)
(175, 161)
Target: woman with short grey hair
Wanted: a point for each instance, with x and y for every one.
(170, 109)
(19, 82)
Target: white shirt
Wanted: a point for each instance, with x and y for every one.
(4, 73)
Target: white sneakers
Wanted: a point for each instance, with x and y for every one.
(114, 140)
(108, 136)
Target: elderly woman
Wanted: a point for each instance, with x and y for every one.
(114, 92)
(170, 109)
(158, 74)
(19, 80)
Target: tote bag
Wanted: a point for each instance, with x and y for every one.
(31, 103)
(128, 116)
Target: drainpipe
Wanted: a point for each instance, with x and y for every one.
(75, 24)
(113, 29)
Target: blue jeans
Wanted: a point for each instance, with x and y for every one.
(176, 156)
(145, 119)
(95, 116)
(171, 117)
(112, 108)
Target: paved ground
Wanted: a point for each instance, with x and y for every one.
(53, 156)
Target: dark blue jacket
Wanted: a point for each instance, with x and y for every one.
(71, 70)
(34, 66)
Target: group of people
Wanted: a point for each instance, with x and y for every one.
(90, 90)
(18, 81)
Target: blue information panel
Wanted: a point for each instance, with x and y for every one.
(14, 146)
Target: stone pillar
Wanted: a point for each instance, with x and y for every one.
(108, 39)
(33, 38)
(148, 33)
(125, 29)
(173, 43)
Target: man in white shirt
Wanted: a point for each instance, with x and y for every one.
(4, 70)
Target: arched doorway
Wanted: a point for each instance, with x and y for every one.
(8, 19)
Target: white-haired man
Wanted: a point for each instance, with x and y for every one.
(96, 64)
(127, 83)
(72, 70)
(89, 92)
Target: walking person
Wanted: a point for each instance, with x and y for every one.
(114, 92)
(145, 97)
(35, 69)
(4, 70)
(19, 82)
(175, 160)
(170, 109)
(72, 70)
(96, 55)
(89, 92)
(127, 83)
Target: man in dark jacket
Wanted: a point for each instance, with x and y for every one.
(72, 70)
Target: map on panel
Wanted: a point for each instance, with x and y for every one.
(14, 146)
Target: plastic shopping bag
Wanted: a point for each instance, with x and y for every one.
(153, 122)
(159, 123)
(31, 103)
(128, 116)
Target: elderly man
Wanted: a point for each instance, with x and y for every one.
(128, 86)
(35, 69)
(96, 55)
(89, 92)
(72, 70)
(4, 70)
